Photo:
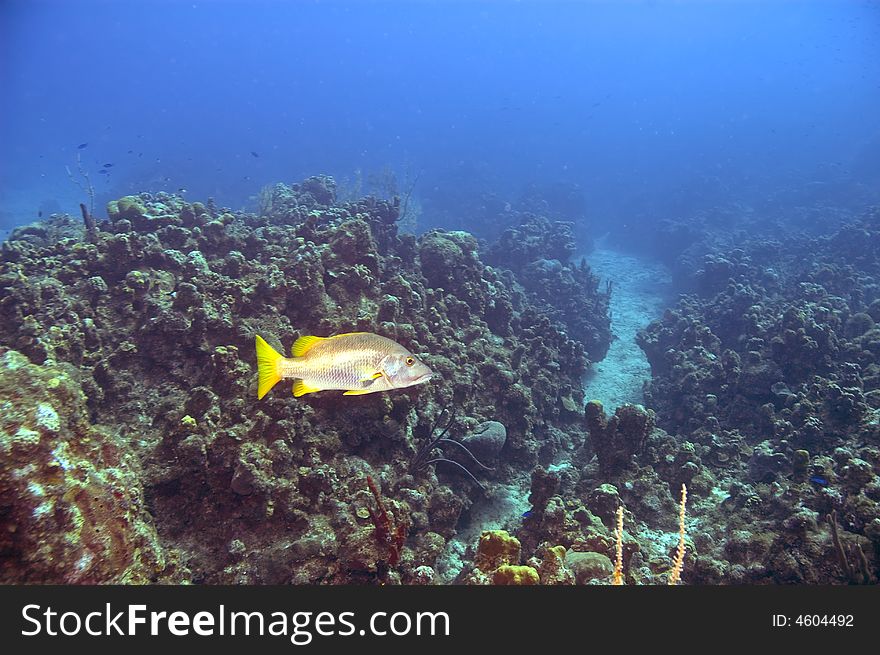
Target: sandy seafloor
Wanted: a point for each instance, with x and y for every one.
(642, 291)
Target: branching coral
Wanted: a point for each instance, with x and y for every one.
(618, 562)
(863, 574)
(678, 564)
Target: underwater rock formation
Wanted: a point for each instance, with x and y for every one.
(157, 317)
(71, 500)
(764, 401)
(618, 439)
(537, 252)
(772, 371)
(497, 562)
(533, 239)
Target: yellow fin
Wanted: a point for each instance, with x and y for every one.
(300, 388)
(358, 392)
(374, 376)
(304, 344)
(267, 366)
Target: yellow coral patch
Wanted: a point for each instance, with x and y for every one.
(515, 575)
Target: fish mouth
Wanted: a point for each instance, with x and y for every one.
(424, 378)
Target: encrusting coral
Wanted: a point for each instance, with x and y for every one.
(70, 492)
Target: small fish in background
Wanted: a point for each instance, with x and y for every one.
(103, 172)
(40, 214)
(108, 165)
(81, 146)
(819, 480)
(356, 362)
(181, 191)
(254, 154)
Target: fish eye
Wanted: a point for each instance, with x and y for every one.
(410, 361)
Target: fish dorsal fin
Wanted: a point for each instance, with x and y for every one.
(304, 344)
(300, 388)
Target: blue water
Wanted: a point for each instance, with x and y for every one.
(634, 105)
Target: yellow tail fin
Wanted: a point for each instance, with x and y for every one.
(267, 365)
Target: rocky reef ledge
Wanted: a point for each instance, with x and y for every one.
(135, 450)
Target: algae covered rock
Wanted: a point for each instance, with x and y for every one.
(71, 505)
(497, 562)
(450, 261)
(588, 566)
(497, 548)
(616, 440)
(515, 575)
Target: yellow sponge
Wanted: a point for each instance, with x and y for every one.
(515, 575)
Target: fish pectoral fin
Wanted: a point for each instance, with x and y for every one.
(304, 344)
(300, 388)
(358, 392)
(367, 381)
(367, 384)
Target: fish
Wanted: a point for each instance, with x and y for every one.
(818, 479)
(108, 165)
(102, 172)
(254, 154)
(356, 362)
(81, 146)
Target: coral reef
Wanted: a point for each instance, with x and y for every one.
(135, 449)
(497, 562)
(772, 373)
(618, 440)
(156, 316)
(71, 500)
(537, 252)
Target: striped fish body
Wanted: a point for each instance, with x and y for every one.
(342, 362)
(357, 362)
